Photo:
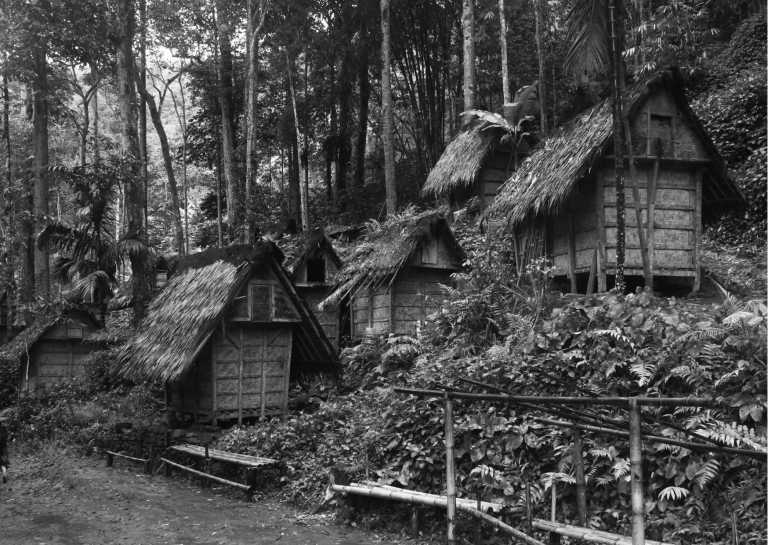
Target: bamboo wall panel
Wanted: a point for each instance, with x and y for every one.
(329, 318)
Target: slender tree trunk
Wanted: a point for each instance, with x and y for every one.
(227, 122)
(364, 83)
(8, 208)
(157, 121)
(40, 143)
(255, 23)
(219, 201)
(468, 31)
(84, 133)
(142, 103)
(387, 112)
(617, 46)
(303, 205)
(343, 136)
(184, 180)
(305, 150)
(538, 16)
(506, 91)
(95, 102)
(133, 188)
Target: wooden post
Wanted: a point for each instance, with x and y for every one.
(636, 469)
(554, 537)
(450, 471)
(652, 217)
(697, 234)
(572, 252)
(214, 354)
(206, 467)
(592, 274)
(148, 463)
(263, 389)
(602, 265)
(110, 459)
(240, 357)
(581, 482)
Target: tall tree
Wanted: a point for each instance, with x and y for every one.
(539, 22)
(505, 88)
(257, 11)
(40, 147)
(387, 112)
(468, 32)
(224, 72)
(134, 238)
(303, 194)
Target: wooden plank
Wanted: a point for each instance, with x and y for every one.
(224, 456)
(697, 233)
(572, 253)
(602, 277)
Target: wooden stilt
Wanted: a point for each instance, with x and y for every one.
(636, 469)
(652, 218)
(697, 235)
(240, 356)
(572, 252)
(581, 482)
(592, 274)
(450, 472)
(602, 262)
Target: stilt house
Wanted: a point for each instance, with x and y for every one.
(312, 273)
(393, 279)
(562, 200)
(226, 334)
(53, 349)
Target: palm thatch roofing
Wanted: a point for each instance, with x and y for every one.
(317, 244)
(183, 317)
(461, 161)
(543, 183)
(387, 248)
(14, 351)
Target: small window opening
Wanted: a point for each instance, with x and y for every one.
(316, 269)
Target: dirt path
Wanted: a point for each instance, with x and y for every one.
(77, 501)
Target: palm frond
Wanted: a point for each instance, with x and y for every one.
(588, 33)
(93, 289)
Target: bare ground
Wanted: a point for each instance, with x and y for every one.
(53, 498)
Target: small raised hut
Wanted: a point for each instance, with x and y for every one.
(53, 349)
(392, 280)
(313, 272)
(562, 200)
(226, 334)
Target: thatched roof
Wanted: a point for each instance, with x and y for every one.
(183, 317)
(543, 183)
(386, 249)
(315, 245)
(461, 161)
(18, 347)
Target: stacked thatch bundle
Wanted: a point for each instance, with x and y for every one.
(385, 249)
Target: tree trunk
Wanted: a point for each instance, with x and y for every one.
(387, 112)
(8, 211)
(364, 82)
(95, 101)
(506, 91)
(84, 133)
(133, 188)
(184, 181)
(157, 121)
(227, 121)
(255, 23)
(468, 31)
(40, 143)
(142, 104)
(617, 46)
(303, 205)
(538, 16)
(342, 140)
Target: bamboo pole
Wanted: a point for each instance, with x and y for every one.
(450, 471)
(651, 235)
(431, 500)
(581, 482)
(484, 505)
(112, 453)
(636, 469)
(702, 447)
(565, 400)
(204, 475)
(586, 534)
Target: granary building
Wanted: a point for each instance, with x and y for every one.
(393, 280)
(561, 202)
(54, 348)
(226, 335)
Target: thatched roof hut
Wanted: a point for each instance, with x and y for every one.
(566, 189)
(227, 331)
(393, 271)
(53, 347)
(544, 182)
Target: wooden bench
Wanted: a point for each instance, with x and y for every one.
(208, 455)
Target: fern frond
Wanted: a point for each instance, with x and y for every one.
(674, 493)
(707, 472)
